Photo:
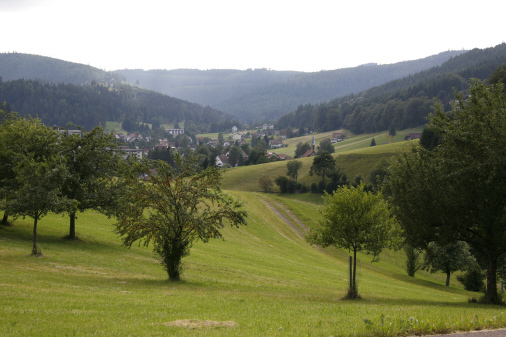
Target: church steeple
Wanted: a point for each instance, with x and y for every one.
(313, 144)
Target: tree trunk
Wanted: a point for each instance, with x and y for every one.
(34, 247)
(5, 219)
(354, 268)
(72, 229)
(491, 294)
(448, 279)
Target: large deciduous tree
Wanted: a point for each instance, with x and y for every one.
(355, 220)
(292, 168)
(93, 165)
(448, 258)
(302, 148)
(457, 191)
(175, 207)
(325, 145)
(323, 165)
(33, 161)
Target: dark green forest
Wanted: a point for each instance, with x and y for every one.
(15, 66)
(94, 104)
(255, 95)
(401, 103)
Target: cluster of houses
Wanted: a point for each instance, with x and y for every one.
(223, 160)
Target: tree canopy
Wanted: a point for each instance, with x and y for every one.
(456, 192)
(323, 165)
(356, 220)
(33, 170)
(175, 207)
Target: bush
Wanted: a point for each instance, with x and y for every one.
(321, 187)
(282, 182)
(472, 279)
(314, 188)
(290, 186)
(303, 188)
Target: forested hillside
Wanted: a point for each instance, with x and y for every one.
(266, 94)
(90, 105)
(15, 66)
(401, 103)
(206, 87)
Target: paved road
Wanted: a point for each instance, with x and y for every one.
(483, 333)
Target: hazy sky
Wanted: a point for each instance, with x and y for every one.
(309, 35)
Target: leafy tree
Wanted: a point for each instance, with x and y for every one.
(246, 148)
(429, 140)
(355, 220)
(391, 131)
(93, 165)
(265, 183)
(448, 259)
(325, 145)
(373, 142)
(413, 263)
(235, 155)
(178, 206)
(377, 175)
(292, 168)
(301, 149)
(7, 175)
(472, 279)
(282, 182)
(36, 165)
(499, 76)
(162, 154)
(323, 165)
(456, 192)
(220, 139)
(337, 179)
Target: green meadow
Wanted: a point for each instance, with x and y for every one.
(263, 279)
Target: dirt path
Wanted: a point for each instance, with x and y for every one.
(300, 229)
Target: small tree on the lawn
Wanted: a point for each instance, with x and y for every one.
(448, 258)
(356, 220)
(265, 183)
(174, 207)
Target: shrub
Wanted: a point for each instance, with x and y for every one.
(282, 182)
(472, 279)
(314, 188)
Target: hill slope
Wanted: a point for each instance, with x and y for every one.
(90, 105)
(15, 66)
(264, 279)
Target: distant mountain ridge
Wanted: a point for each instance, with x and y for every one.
(401, 103)
(266, 94)
(14, 66)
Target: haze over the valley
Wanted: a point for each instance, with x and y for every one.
(224, 34)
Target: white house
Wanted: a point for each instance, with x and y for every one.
(221, 160)
(276, 144)
(234, 128)
(236, 136)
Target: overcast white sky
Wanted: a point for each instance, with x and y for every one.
(309, 35)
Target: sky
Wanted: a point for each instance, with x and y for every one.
(240, 34)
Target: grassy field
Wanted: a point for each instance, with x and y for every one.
(353, 163)
(353, 143)
(263, 279)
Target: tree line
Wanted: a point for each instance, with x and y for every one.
(44, 170)
(402, 103)
(94, 104)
